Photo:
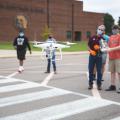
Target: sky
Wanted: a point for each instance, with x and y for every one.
(103, 6)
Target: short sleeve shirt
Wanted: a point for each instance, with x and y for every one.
(114, 42)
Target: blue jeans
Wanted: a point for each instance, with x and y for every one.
(49, 64)
(95, 60)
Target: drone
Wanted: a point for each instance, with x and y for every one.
(52, 45)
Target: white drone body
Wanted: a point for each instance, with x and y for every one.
(52, 45)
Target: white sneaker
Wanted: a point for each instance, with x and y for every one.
(20, 69)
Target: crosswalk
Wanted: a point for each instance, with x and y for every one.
(25, 100)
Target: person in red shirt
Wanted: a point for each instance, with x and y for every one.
(114, 57)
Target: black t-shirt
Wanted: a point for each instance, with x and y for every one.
(21, 43)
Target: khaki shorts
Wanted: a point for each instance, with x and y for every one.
(114, 65)
(104, 58)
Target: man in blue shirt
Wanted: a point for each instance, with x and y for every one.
(50, 55)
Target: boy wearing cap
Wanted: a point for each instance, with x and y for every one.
(114, 57)
(21, 44)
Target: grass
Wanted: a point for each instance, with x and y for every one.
(79, 46)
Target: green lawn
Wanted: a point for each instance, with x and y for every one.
(80, 46)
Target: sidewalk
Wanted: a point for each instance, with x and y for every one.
(12, 53)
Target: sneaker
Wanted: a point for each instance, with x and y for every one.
(90, 87)
(55, 72)
(22, 68)
(99, 88)
(19, 69)
(111, 88)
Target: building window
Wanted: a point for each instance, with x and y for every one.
(78, 36)
(88, 34)
(69, 35)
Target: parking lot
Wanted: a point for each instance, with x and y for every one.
(34, 95)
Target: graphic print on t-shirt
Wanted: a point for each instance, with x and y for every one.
(20, 41)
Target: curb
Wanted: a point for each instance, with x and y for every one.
(12, 53)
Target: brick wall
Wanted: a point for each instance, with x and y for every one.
(60, 21)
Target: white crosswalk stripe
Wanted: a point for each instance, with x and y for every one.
(117, 118)
(18, 87)
(62, 110)
(32, 96)
(52, 112)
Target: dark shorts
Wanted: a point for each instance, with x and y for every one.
(21, 54)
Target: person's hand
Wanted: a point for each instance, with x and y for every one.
(96, 47)
(105, 50)
(92, 52)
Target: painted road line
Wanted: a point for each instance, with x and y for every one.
(6, 80)
(12, 75)
(61, 110)
(32, 96)
(75, 93)
(84, 95)
(76, 72)
(47, 79)
(9, 79)
(95, 92)
(117, 118)
(18, 87)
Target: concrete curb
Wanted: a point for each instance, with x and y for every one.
(12, 53)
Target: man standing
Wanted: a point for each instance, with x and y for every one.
(20, 44)
(104, 54)
(50, 55)
(114, 57)
(95, 58)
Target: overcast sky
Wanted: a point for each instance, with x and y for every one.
(103, 6)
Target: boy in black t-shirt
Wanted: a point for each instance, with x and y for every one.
(21, 44)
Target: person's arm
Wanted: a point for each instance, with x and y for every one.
(15, 43)
(113, 49)
(28, 45)
(89, 42)
(106, 37)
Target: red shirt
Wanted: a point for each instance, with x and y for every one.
(114, 41)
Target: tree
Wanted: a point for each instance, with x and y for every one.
(119, 21)
(47, 31)
(108, 22)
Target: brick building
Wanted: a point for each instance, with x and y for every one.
(66, 18)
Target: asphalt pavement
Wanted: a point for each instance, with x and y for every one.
(34, 95)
